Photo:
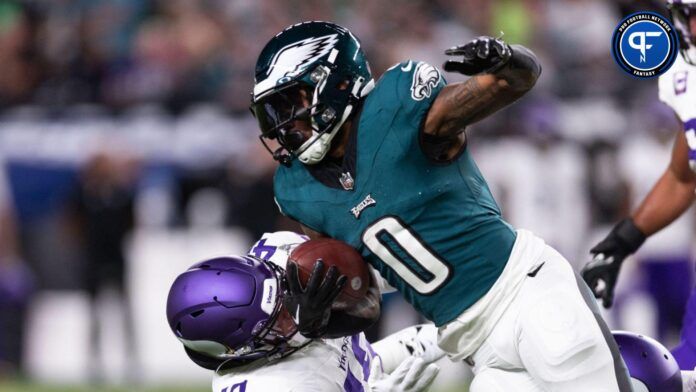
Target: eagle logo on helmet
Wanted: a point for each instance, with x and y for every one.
(425, 78)
(294, 58)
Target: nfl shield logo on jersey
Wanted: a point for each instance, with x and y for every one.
(346, 181)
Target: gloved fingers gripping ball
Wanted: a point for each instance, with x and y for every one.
(310, 307)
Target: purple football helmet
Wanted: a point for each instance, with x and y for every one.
(651, 366)
(230, 309)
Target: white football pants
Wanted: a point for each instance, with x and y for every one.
(551, 338)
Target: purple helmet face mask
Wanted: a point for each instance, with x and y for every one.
(650, 364)
(223, 306)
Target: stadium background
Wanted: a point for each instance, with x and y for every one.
(150, 98)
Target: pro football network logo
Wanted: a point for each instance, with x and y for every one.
(645, 44)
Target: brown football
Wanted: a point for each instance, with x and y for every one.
(344, 257)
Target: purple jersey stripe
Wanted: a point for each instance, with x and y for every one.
(352, 384)
(690, 128)
(691, 124)
(361, 356)
(373, 356)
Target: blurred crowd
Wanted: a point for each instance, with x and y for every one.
(120, 114)
(121, 53)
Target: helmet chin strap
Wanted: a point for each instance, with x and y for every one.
(315, 149)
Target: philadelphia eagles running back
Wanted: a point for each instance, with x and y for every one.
(384, 166)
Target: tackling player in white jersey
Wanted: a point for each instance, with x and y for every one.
(228, 314)
(674, 191)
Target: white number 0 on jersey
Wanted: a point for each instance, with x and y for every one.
(411, 244)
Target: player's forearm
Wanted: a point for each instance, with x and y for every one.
(522, 71)
(312, 234)
(668, 199)
(461, 104)
(343, 324)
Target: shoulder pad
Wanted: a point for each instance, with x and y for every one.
(410, 86)
(276, 247)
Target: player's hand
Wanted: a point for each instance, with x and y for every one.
(482, 55)
(602, 272)
(310, 307)
(412, 375)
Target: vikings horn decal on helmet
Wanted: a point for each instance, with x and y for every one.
(315, 72)
(230, 309)
(680, 11)
(650, 365)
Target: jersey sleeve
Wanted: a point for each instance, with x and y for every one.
(418, 84)
(665, 88)
(276, 247)
(404, 94)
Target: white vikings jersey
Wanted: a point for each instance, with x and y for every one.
(678, 90)
(324, 365)
(276, 247)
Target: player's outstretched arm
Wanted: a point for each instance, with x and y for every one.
(672, 194)
(501, 74)
(669, 198)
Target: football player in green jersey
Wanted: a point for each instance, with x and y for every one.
(384, 167)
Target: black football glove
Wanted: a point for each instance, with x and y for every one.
(482, 55)
(624, 239)
(310, 307)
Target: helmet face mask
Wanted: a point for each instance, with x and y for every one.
(681, 12)
(326, 63)
(286, 117)
(281, 329)
(230, 309)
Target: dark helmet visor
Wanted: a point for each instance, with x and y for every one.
(279, 109)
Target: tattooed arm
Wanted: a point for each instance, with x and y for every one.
(502, 74)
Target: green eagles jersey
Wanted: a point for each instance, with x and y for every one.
(432, 230)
